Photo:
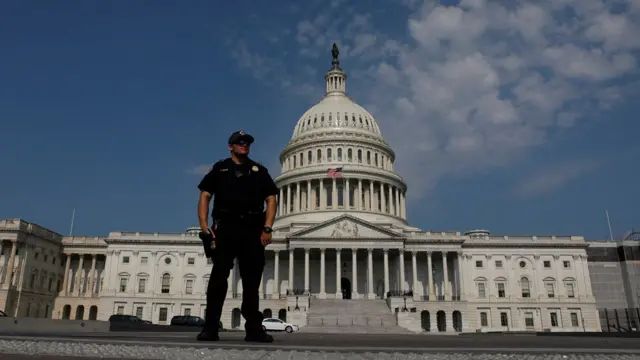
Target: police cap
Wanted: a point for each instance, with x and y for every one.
(240, 135)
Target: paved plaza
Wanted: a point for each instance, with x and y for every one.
(179, 346)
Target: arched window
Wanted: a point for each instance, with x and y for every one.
(360, 156)
(329, 155)
(339, 154)
(166, 283)
(309, 157)
(319, 155)
(349, 155)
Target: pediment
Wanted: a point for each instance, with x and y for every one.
(345, 227)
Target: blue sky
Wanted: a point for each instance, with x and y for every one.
(517, 118)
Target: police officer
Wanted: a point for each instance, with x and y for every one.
(241, 229)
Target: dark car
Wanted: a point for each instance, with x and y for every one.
(127, 319)
(187, 320)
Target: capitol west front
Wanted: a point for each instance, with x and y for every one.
(335, 237)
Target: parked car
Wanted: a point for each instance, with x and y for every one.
(127, 318)
(273, 324)
(187, 320)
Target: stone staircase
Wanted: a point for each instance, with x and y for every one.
(351, 316)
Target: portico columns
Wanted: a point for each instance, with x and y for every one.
(309, 207)
(323, 293)
(79, 275)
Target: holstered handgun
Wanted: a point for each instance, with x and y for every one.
(208, 243)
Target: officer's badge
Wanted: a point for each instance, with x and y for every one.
(255, 168)
(241, 133)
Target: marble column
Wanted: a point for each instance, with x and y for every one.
(386, 272)
(309, 207)
(276, 275)
(432, 292)
(414, 275)
(92, 275)
(290, 280)
(359, 203)
(79, 276)
(281, 202)
(338, 275)
(306, 270)
(323, 293)
(298, 200)
(371, 294)
(354, 273)
(288, 206)
(401, 258)
(445, 270)
(65, 281)
(11, 265)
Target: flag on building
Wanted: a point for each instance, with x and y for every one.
(335, 172)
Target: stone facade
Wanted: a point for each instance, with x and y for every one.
(341, 233)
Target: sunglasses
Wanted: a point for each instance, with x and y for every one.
(245, 143)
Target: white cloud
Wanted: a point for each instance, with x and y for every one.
(554, 177)
(477, 85)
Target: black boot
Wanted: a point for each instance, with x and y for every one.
(208, 335)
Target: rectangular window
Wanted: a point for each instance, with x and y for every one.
(478, 263)
(162, 314)
(550, 292)
(189, 287)
(498, 264)
(484, 321)
(120, 310)
(139, 311)
(191, 261)
(123, 284)
(566, 264)
(142, 285)
(481, 291)
(547, 264)
(554, 319)
(125, 259)
(187, 312)
(144, 260)
(574, 319)
(570, 291)
(504, 319)
(501, 291)
(528, 319)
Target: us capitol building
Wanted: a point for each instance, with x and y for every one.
(341, 233)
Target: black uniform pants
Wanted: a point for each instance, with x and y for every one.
(237, 238)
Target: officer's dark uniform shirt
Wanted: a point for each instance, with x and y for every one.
(238, 188)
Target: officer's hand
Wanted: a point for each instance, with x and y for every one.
(208, 230)
(265, 239)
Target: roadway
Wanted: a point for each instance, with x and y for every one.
(414, 343)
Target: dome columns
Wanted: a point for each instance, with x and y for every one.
(342, 194)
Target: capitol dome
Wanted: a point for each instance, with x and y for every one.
(337, 162)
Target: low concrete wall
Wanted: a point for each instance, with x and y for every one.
(26, 325)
